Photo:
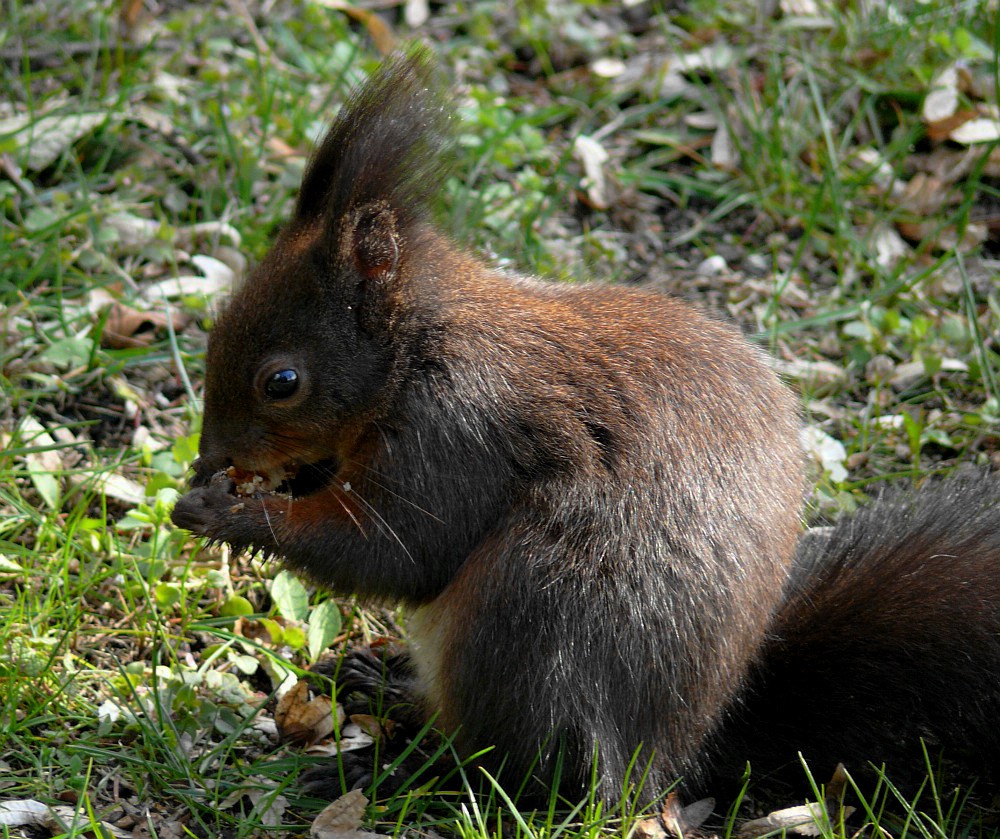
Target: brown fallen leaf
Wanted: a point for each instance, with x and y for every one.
(944, 238)
(651, 828)
(128, 14)
(675, 819)
(683, 820)
(809, 819)
(301, 719)
(279, 148)
(350, 738)
(944, 128)
(926, 195)
(378, 729)
(342, 819)
(126, 327)
(837, 784)
(381, 34)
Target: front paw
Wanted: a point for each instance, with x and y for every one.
(206, 510)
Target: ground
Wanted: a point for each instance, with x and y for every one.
(825, 175)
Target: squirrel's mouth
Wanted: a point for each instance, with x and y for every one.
(294, 481)
(309, 478)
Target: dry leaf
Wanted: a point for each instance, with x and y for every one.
(941, 101)
(943, 129)
(837, 784)
(377, 728)
(184, 286)
(981, 130)
(352, 738)
(259, 791)
(806, 820)
(608, 68)
(826, 450)
(127, 327)
(651, 828)
(799, 8)
(27, 812)
(214, 270)
(119, 487)
(945, 238)
(723, 149)
(702, 121)
(135, 232)
(217, 277)
(926, 195)
(280, 149)
(129, 15)
(301, 719)
(889, 247)
(378, 29)
(346, 813)
(153, 119)
(319, 833)
(44, 467)
(815, 373)
(948, 165)
(909, 373)
(342, 818)
(809, 819)
(112, 485)
(42, 141)
(680, 820)
(715, 57)
(675, 819)
(672, 815)
(207, 230)
(593, 157)
(23, 813)
(416, 13)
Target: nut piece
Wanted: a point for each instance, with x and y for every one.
(247, 483)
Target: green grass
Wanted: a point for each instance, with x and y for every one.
(137, 671)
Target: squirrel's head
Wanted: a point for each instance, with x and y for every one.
(309, 350)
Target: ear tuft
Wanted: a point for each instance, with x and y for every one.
(371, 240)
(388, 143)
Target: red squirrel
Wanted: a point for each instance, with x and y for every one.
(590, 497)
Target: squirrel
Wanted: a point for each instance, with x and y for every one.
(590, 497)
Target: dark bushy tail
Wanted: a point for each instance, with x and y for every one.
(890, 633)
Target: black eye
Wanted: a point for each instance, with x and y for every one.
(281, 384)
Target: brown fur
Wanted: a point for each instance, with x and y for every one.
(591, 494)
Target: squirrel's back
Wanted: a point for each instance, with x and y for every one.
(638, 559)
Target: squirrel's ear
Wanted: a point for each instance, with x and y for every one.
(371, 241)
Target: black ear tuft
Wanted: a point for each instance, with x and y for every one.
(371, 238)
(385, 147)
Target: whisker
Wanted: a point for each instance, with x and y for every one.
(291, 449)
(350, 512)
(402, 498)
(383, 525)
(267, 518)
